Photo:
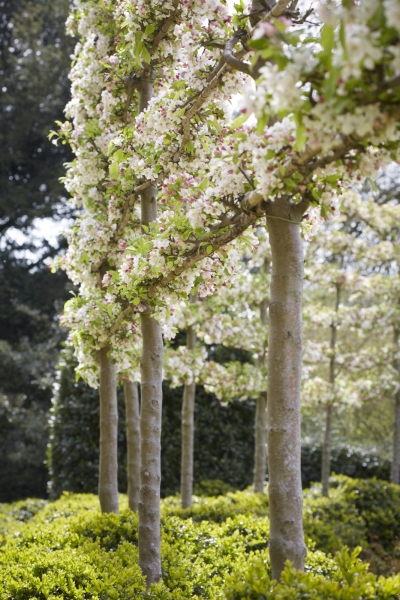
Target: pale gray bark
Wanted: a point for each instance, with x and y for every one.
(327, 442)
(286, 540)
(395, 472)
(151, 406)
(189, 394)
(108, 467)
(260, 445)
(131, 394)
(260, 442)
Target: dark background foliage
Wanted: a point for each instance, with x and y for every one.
(224, 438)
(224, 441)
(34, 63)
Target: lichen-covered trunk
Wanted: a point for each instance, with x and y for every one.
(108, 467)
(189, 394)
(260, 445)
(286, 540)
(327, 441)
(395, 472)
(131, 394)
(151, 405)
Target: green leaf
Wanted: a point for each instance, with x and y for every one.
(189, 147)
(328, 37)
(114, 170)
(136, 301)
(342, 38)
(149, 29)
(204, 184)
(301, 135)
(240, 120)
(372, 184)
(146, 55)
(209, 249)
(119, 156)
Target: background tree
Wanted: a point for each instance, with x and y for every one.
(34, 61)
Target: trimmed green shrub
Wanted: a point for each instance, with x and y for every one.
(68, 550)
(345, 578)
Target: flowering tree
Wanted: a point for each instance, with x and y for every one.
(235, 317)
(341, 281)
(326, 113)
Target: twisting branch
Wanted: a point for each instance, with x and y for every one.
(228, 56)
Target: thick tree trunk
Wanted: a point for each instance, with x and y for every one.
(131, 394)
(189, 394)
(286, 540)
(151, 406)
(260, 446)
(260, 442)
(395, 473)
(327, 443)
(108, 468)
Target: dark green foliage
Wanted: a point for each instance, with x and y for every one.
(223, 440)
(345, 460)
(358, 512)
(34, 60)
(223, 444)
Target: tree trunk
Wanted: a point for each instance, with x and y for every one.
(151, 406)
(260, 442)
(189, 394)
(327, 443)
(260, 446)
(131, 394)
(108, 468)
(395, 472)
(326, 450)
(286, 540)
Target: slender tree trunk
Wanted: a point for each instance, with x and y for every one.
(131, 393)
(151, 406)
(327, 443)
(260, 445)
(395, 473)
(108, 468)
(286, 540)
(189, 394)
(326, 450)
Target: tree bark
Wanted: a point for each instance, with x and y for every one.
(286, 540)
(151, 405)
(395, 471)
(108, 468)
(131, 394)
(327, 443)
(189, 394)
(260, 445)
